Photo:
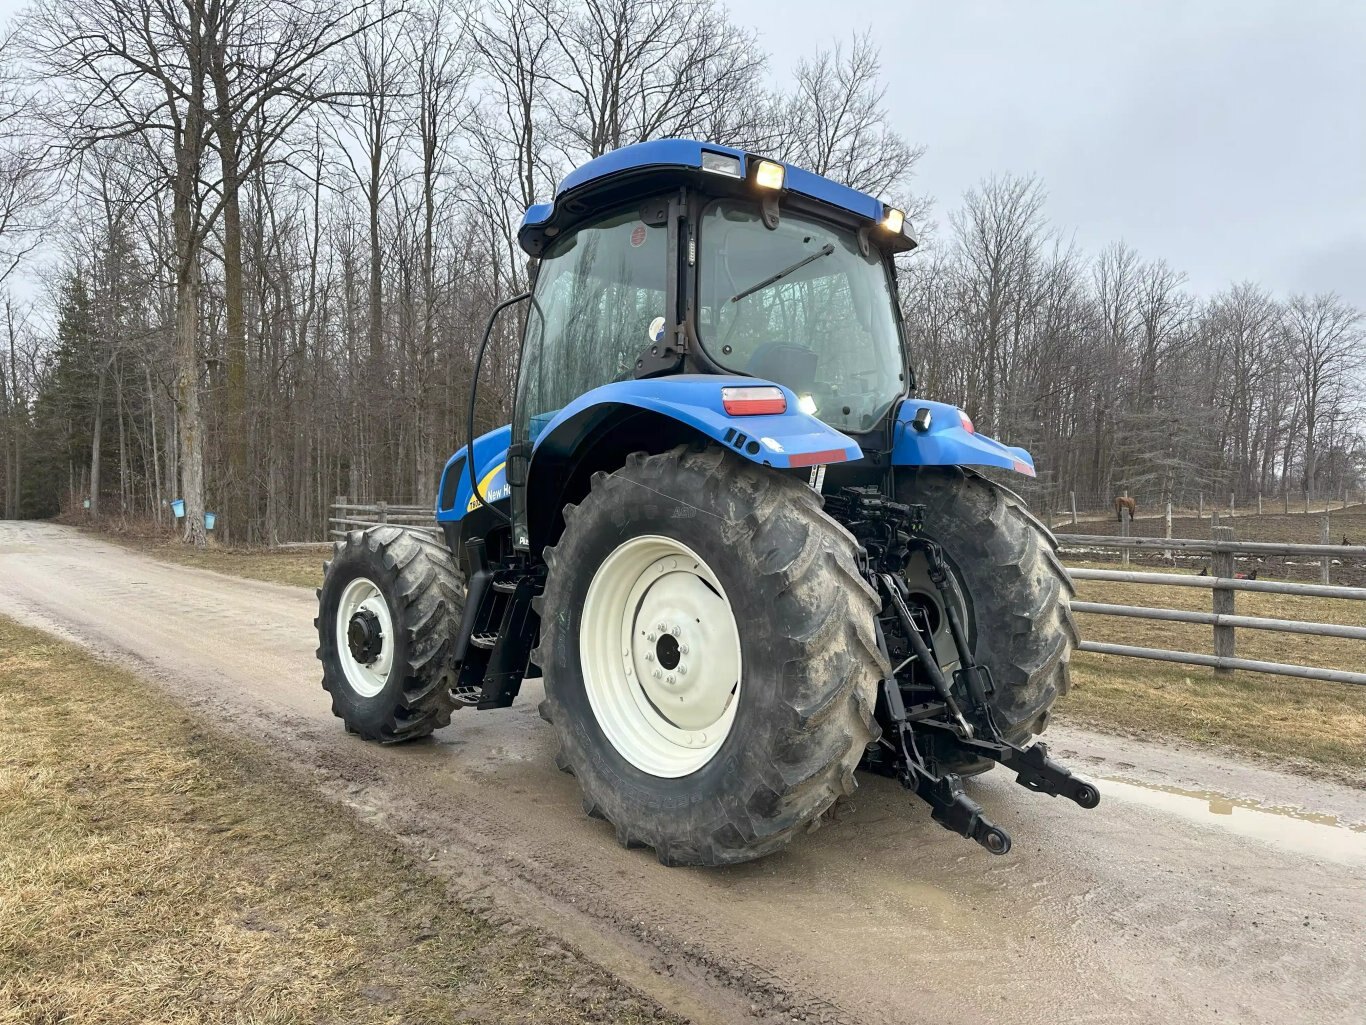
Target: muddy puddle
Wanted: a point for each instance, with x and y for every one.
(1289, 829)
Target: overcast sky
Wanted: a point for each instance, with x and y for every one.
(1227, 137)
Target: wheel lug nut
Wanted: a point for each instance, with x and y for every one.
(652, 637)
(658, 673)
(670, 679)
(662, 628)
(682, 669)
(683, 648)
(676, 631)
(649, 656)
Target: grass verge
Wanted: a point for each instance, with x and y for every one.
(297, 567)
(154, 870)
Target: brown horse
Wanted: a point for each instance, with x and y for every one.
(1122, 503)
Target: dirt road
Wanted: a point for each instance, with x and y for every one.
(1174, 901)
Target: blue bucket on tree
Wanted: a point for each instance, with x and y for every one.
(209, 520)
(178, 507)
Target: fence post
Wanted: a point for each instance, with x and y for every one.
(1124, 532)
(1231, 513)
(1222, 597)
(1306, 501)
(1200, 509)
(1285, 494)
(382, 511)
(1259, 503)
(1325, 562)
(1168, 553)
(1074, 507)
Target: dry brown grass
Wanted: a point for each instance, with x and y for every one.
(1308, 723)
(298, 567)
(153, 870)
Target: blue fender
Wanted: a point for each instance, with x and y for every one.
(782, 440)
(950, 441)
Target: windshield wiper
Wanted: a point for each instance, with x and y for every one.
(824, 250)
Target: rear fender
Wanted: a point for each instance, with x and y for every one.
(601, 427)
(782, 440)
(950, 441)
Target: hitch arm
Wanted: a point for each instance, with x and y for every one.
(1034, 769)
(949, 805)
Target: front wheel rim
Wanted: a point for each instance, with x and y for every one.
(660, 656)
(366, 672)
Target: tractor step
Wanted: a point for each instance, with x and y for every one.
(504, 586)
(484, 640)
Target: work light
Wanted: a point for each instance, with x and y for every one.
(769, 175)
(721, 163)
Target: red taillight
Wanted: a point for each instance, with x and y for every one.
(833, 455)
(758, 401)
(967, 422)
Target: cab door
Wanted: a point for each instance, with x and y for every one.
(600, 298)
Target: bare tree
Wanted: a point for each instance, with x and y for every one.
(1327, 346)
(837, 122)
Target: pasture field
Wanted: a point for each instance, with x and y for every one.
(1307, 723)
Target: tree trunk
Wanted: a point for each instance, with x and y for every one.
(188, 413)
(96, 434)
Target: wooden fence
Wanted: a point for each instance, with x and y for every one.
(347, 516)
(1222, 583)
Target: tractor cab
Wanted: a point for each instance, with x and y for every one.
(675, 257)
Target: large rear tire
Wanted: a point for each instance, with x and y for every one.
(387, 615)
(1005, 566)
(697, 560)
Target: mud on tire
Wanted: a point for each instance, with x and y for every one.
(424, 595)
(810, 659)
(1006, 561)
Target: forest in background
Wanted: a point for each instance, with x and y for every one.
(259, 243)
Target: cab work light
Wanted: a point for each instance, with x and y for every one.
(759, 401)
(721, 163)
(769, 175)
(894, 220)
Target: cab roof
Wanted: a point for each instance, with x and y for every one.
(644, 168)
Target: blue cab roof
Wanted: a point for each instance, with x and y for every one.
(683, 155)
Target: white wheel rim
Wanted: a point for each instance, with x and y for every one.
(660, 653)
(365, 678)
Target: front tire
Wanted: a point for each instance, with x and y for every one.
(725, 763)
(387, 615)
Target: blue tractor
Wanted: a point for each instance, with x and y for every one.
(744, 556)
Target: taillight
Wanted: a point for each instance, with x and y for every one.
(967, 422)
(757, 401)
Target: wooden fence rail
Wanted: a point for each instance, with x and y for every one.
(349, 515)
(1223, 587)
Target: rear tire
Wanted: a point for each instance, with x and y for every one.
(388, 611)
(754, 548)
(1006, 564)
